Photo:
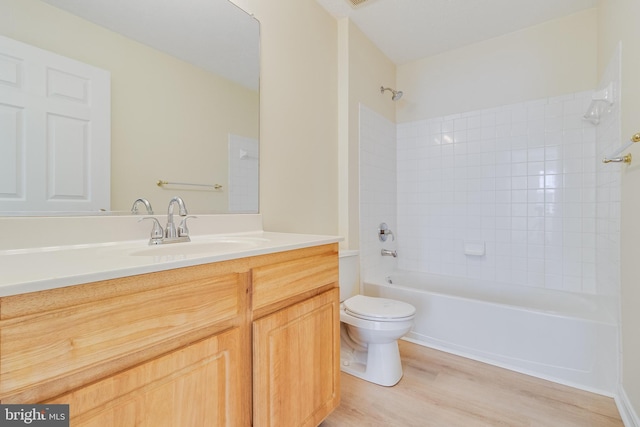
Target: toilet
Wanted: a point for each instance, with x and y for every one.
(370, 328)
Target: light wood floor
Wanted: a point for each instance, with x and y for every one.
(443, 390)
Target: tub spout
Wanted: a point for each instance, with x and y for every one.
(387, 252)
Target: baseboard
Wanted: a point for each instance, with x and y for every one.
(627, 413)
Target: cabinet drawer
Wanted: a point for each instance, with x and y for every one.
(199, 385)
(277, 282)
(62, 348)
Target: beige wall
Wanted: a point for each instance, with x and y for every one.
(546, 60)
(170, 120)
(369, 69)
(298, 116)
(618, 23)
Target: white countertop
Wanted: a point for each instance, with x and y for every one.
(40, 268)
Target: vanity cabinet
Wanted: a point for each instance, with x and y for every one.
(296, 340)
(194, 346)
(56, 340)
(296, 363)
(198, 385)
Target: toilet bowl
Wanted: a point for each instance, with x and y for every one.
(369, 330)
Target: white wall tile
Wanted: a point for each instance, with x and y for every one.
(524, 178)
(524, 181)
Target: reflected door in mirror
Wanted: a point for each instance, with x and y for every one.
(54, 131)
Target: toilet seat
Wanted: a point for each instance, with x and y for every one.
(378, 309)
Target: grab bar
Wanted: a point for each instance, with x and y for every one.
(627, 158)
(616, 158)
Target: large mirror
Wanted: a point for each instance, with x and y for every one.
(184, 93)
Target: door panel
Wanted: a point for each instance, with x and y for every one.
(55, 131)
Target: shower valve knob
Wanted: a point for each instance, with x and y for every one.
(384, 232)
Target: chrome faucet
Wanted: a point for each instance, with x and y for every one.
(170, 234)
(170, 231)
(387, 252)
(145, 202)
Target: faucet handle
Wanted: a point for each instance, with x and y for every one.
(384, 232)
(157, 234)
(183, 231)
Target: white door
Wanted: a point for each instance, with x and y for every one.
(55, 131)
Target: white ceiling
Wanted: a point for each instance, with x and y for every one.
(406, 30)
(212, 34)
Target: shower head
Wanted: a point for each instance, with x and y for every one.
(396, 94)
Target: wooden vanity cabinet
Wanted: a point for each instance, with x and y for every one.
(198, 385)
(296, 368)
(191, 346)
(296, 340)
(134, 351)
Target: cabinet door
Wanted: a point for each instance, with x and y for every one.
(296, 358)
(199, 385)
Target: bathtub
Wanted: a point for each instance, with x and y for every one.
(568, 338)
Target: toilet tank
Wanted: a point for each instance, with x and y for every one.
(349, 278)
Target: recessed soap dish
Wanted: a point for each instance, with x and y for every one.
(474, 248)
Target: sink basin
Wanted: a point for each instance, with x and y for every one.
(210, 246)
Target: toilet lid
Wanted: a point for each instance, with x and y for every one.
(378, 308)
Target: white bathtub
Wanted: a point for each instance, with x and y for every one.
(567, 338)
